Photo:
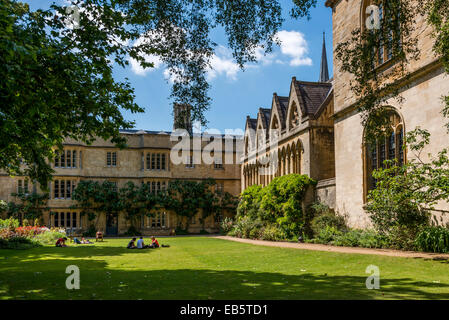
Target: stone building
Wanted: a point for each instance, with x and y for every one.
(295, 135)
(421, 106)
(318, 130)
(147, 159)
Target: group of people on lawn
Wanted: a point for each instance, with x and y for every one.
(131, 245)
(141, 244)
(61, 241)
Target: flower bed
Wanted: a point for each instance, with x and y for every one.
(14, 237)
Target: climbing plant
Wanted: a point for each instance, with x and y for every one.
(95, 198)
(373, 84)
(30, 206)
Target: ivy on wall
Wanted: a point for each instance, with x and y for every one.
(184, 198)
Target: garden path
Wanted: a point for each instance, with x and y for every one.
(329, 248)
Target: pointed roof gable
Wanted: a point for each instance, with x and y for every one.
(265, 115)
(311, 95)
(250, 123)
(281, 105)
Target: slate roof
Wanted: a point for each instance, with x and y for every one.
(312, 95)
(282, 105)
(266, 116)
(251, 123)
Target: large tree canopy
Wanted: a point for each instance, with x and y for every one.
(56, 72)
(57, 76)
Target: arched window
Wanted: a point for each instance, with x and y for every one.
(389, 32)
(387, 147)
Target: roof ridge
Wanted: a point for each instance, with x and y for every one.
(315, 83)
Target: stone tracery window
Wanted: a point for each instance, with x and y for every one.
(390, 35)
(388, 147)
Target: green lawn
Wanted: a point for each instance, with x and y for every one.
(206, 268)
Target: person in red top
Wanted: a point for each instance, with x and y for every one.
(154, 243)
(61, 242)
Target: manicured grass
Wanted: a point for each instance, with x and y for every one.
(207, 268)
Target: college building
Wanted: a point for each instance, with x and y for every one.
(147, 159)
(317, 129)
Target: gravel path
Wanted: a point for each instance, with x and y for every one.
(328, 248)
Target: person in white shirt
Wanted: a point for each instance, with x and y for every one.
(140, 244)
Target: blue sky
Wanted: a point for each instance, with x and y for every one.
(236, 93)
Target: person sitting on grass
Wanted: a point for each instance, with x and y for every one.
(85, 241)
(141, 244)
(131, 244)
(154, 242)
(61, 242)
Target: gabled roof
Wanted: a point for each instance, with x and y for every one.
(265, 114)
(251, 123)
(311, 95)
(281, 103)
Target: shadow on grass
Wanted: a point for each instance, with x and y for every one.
(25, 278)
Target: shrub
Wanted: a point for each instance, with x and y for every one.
(18, 242)
(249, 203)
(282, 203)
(327, 235)
(372, 239)
(132, 231)
(9, 223)
(361, 238)
(433, 239)
(395, 207)
(324, 217)
(403, 237)
(272, 233)
(247, 228)
(226, 225)
(347, 239)
(49, 237)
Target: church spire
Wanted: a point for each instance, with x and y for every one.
(324, 70)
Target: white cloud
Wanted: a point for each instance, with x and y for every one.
(223, 65)
(293, 50)
(294, 45)
(265, 59)
(135, 65)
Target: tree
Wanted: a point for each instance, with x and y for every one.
(57, 74)
(406, 195)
